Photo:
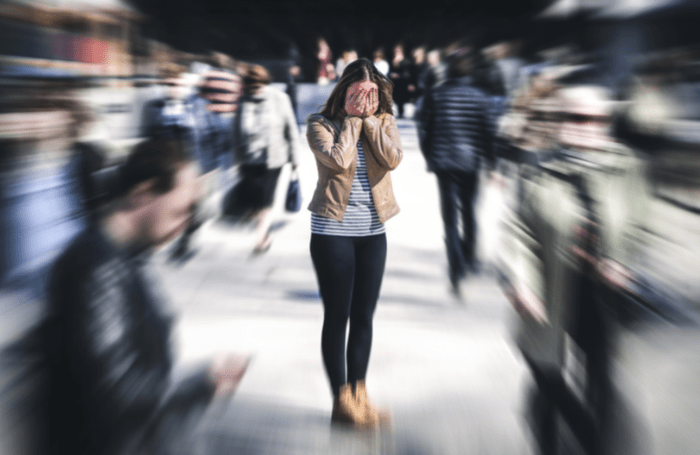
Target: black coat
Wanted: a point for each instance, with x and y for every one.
(107, 345)
(455, 128)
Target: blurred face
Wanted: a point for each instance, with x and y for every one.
(433, 58)
(419, 56)
(166, 216)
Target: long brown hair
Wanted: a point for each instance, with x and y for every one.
(359, 71)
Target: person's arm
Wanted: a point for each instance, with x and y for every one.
(384, 142)
(336, 155)
(425, 125)
(291, 130)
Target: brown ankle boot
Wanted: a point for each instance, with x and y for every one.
(346, 409)
(370, 411)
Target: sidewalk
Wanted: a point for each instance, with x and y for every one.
(445, 369)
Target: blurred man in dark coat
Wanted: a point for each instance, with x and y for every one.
(106, 338)
(455, 138)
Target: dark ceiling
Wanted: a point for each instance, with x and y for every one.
(260, 29)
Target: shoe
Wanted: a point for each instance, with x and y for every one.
(370, 411)
(261, 249)
(347, 411)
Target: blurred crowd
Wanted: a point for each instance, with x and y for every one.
(598, 235)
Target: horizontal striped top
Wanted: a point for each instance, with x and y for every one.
(222, 90)
(360, 219)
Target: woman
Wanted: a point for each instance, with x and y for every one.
(356, 143)
(266, 135)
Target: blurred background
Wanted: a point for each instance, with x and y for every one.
(601, 92)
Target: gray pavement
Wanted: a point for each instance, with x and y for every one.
(445, 369)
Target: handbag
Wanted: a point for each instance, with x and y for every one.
(293, 202)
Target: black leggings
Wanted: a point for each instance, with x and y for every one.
(349, 272)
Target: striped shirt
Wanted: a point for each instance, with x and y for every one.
(360, 219)
(222, 90)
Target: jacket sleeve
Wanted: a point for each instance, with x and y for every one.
(384, 143)
(336, 155)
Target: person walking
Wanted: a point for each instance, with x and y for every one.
(356, 144)
(111, 382)
(266, 138)
(455, 137)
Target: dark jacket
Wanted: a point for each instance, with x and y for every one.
(454, 127)
(107, 345)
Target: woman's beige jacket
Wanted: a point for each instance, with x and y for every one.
(334, 143)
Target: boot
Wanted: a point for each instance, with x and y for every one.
(370, 411)
(346, 410)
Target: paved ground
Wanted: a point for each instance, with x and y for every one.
(444, 368)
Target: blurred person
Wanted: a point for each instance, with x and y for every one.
(184, 114)
(346, 58)
(106, 337)
(576, 238)
(292, 76)
(222, 88)
(326, 71)
(506, 59)
(400, 75)
(356, 144)
(455, 138)
(418, 66)
(380, 62)
(44, 191)
(435, 73)
(267, 137)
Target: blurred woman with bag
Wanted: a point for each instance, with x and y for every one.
(356, 144)
(266, 138)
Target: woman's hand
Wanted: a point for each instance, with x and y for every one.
(372, 103)
(355, 101)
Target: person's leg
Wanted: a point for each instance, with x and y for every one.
(448, 206)
(370, 259)
(543, 411)
(467, 194)
(267, 187)
(334, 261)
(263, 221)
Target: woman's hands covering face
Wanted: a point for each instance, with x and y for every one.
(362, 99)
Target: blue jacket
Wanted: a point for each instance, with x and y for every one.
(455, 128)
